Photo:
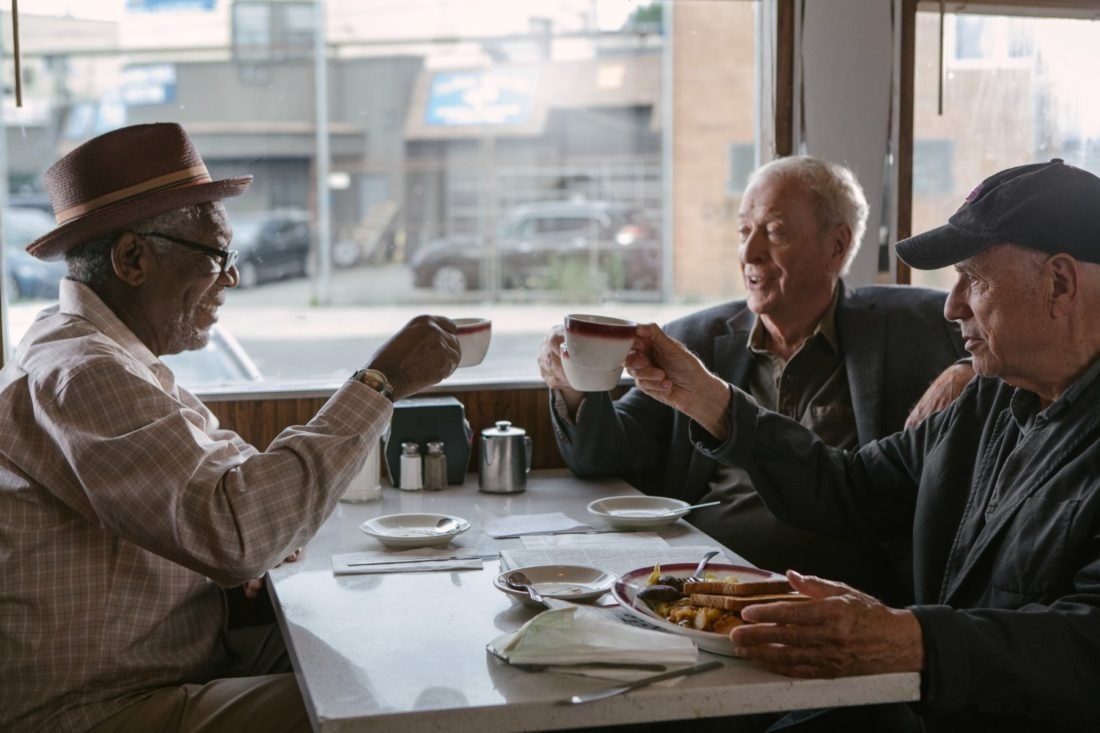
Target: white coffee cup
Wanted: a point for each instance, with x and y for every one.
(473, 338)
(598, 342)
(583, 379)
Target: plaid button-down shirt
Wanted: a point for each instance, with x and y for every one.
(123, 507)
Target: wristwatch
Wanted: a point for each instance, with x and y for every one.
(376, 380)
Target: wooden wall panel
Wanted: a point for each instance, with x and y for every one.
(259, 421)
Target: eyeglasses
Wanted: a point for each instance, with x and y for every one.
(226, 257)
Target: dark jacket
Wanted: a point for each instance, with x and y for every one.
(1005, 527)
(895, 341)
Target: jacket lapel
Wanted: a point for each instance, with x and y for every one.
(862, 335)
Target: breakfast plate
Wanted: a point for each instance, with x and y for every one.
(626, 588)
(564, 582)
(639, 512)
(405, 531)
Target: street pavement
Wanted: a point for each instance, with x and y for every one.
(295, 341)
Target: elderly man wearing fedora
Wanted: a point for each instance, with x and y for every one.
(124, 508)
(1000, 492)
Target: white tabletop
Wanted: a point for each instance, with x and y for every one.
(406, 652)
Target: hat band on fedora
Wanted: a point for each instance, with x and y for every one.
(191, 176)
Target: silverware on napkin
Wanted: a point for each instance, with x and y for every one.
(452, 558)
(628, 686)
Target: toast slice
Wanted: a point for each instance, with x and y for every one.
(736, 603)
(736, 588)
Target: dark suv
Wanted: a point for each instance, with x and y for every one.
(558, 245)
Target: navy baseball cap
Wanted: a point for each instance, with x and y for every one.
(1051, 207)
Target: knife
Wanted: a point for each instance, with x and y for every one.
(552, 532)
(452, 558)
(628, 686)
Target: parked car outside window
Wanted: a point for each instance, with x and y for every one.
(273, 245)
(223, 362)
(27, 277)
(550, 245)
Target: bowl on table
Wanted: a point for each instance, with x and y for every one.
(564, 582)
(406, 531)
(639, 512)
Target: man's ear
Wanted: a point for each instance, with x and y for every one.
(1062, 282)
(839, 241)
(131, 258)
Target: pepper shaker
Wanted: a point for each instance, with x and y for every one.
(411, 476)
(435, 467)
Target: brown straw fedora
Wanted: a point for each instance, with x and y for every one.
(122, 177)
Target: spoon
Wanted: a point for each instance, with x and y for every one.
(693, 506)
(445, 525)
(520, 581)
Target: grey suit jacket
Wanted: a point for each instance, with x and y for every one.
(895, 342)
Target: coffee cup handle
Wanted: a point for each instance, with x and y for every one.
(529, 450)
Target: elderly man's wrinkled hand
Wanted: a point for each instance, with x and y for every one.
(842, 632)
(665, 370)
(423, 353)
(549, 360)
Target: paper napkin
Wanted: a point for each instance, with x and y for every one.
(520, 524)
(564, 639)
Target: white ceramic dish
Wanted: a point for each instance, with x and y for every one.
(627, 587)
(639, 512)
(583, 379)
(474, 335)
(406, 531)
(598, 342)
(566, 582)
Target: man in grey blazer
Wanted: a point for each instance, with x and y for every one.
(850, 364)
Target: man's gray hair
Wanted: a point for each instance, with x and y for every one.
(90, 262)
(840, 197)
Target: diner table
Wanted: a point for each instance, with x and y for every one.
(406, 651)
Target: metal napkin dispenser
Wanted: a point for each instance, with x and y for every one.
(423, 419)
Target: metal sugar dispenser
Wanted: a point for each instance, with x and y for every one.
(505, 459)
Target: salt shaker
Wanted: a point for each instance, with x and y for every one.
(411, 476)
(435, 467)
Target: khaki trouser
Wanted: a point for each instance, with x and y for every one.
(265, 697)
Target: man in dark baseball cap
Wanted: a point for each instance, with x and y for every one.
(999, 492)
(1051, 207)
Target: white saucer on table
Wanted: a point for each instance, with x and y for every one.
(405, 531)
(639, 512)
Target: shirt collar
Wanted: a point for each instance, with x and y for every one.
(77, 299)
(826, 327)
(1024, 403)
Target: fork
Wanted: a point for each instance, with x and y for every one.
(628, 686)
(697, 575)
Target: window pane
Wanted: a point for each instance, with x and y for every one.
(1021, 100)
(505, 158)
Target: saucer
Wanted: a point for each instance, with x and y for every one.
(564, 582)
(405, 531)
(639, 512)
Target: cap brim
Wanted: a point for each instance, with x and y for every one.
(939, 247)
(57, 242)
